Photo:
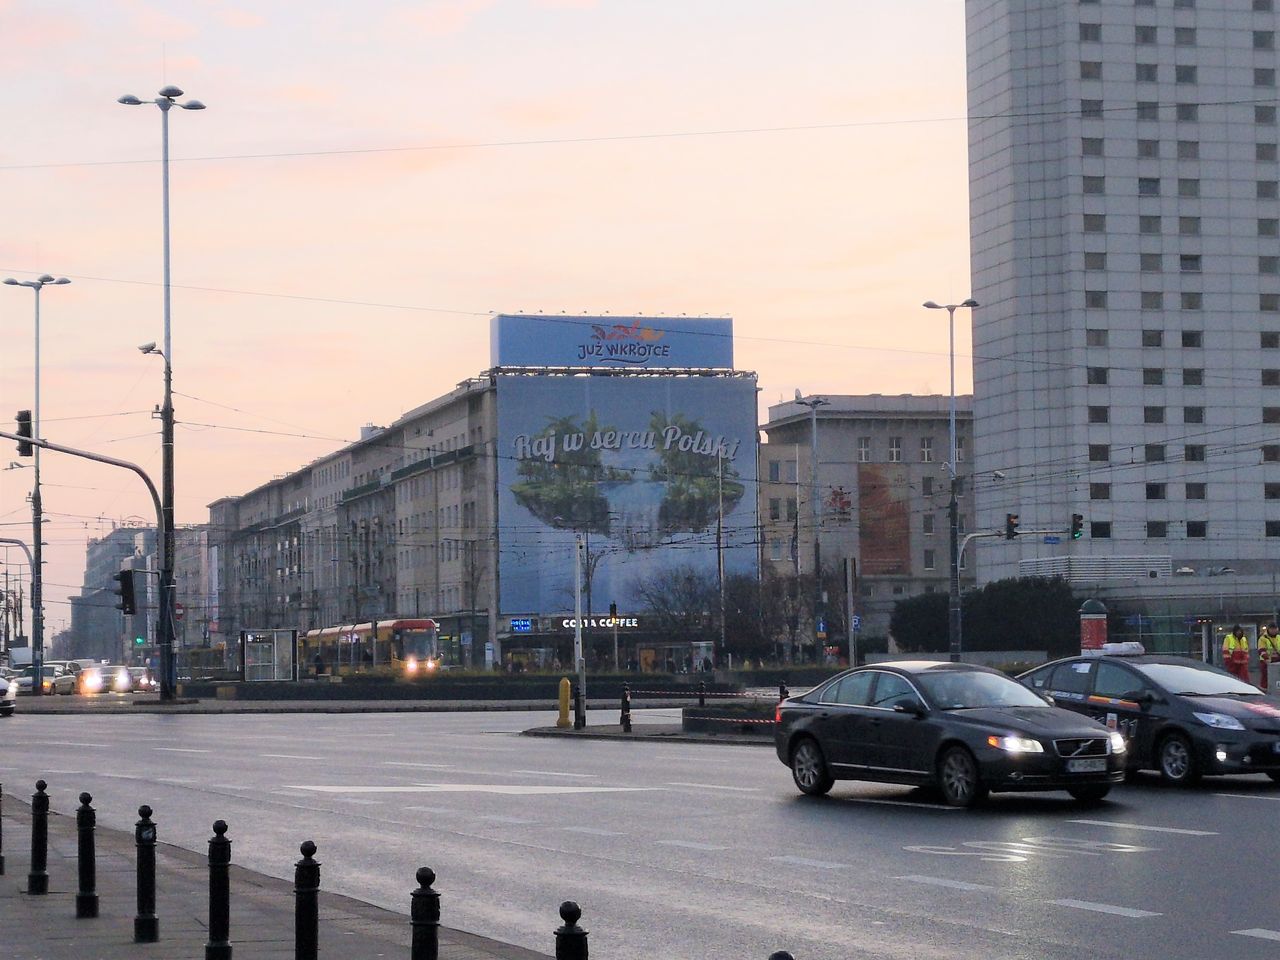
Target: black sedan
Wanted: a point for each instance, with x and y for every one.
(963, 728)
(1179, 716)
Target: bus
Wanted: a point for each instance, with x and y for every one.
(411, 646)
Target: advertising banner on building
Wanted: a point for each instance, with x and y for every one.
(884, 512)
(641, 468)
(617, 342)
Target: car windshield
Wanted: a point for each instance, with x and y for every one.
(962, 689)
(1197, 680)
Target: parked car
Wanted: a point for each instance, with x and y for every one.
(963, 728)
(144, 681)
(64, 679)
(105, 678)
(1178, 716)
(8, 697)
(24, 678)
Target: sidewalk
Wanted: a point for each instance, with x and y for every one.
(658, 732)
(46, 928)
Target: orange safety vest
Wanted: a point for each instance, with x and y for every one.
(1235, 649)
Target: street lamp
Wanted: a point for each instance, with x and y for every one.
(953, 510)
(166, 100)
(813, 403)
(37, 513)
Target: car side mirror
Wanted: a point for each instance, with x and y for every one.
(1049, 700)
(914, 707)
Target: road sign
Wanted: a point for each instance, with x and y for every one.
(857, 622)
(1052, 539)
(820, 628)
(178, 611)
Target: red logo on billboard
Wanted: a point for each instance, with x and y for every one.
(621, 331)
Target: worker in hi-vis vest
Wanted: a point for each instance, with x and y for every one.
(1235, 652)
(1268, 652)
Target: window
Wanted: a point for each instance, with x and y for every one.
(926, 449)
(1090, 70)
(1189, 226)
(1146, 73)
(1095, 261)
(864, 449)
(1192, 300)
(775, 471)
(1269, 339)
(1156, 491)
(1188, 187)
(1148, 149)
(1268, 189)
(1273, 528)
(1099, 491)
(1149, 262)
(927, 522)
(1197, 491)
(1271, 453)
(1197, 529)
(959, 449)
(1095, 223)
(1148, 110)
(1154, 453)
(1187, 112)
(1193, 414)
(1271, 491)
(1091, 146)
(926, 486)
(1188, 149)
(1193, 338)
(929, 559)
(1095, 299)
(1271, 378)
(1268, 227)
(1100, 530)
(1149, 223)
(1153, 338)
(1157, 529)
(1264, 39)
(1152, 299)
(775, 549)
(1152, 376)
(1090, 32)
(1193, 453)
(895, 449)
(1264, 76)
(1093, 337)
(1262, 6)
(775, 508)
(1099, 452)
(792, 509)
(1264, 116)
(1094, 185)
(1148, 186)
(1271, 414)
(1091, 109)
(1264, 152)
(1096, 376)
(1153, 414)
(1184, 36)
(1184, 4)
(1269, 265)
(1189, 263)
(1268, 302)
(1143, 35)
(1099, 415)
(1181, 73)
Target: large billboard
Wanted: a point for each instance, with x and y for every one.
(617, 342)
(641, 468)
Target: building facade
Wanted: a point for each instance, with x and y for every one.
(98, 628)
(1126, 256)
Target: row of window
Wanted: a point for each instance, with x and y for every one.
(1187, 187)
(1263, 114)
(1101, 337)
(1154, 491)
(1159, 529)
(1258, 5)
(1148, 34)
(1182, 73)
(1192, 300)
(1185, 149)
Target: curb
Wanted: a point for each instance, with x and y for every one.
(640, 735)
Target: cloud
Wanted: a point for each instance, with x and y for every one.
(442, 18)
(566, 4)
(239, 19)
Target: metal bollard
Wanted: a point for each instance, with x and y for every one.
(219, 945)
(1, 829)
(702, 693)
(38, 878)
(783, 692)
(424, 917)
(625, 718)
(146, 928)
(87, 895)
(579, 708)
(571, 939)
(781, 955)
(306, 904)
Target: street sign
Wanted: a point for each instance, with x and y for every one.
(820, 628)
(856, 622)
(1052, 539)
(178, 611)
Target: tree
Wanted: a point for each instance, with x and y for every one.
(678, 601)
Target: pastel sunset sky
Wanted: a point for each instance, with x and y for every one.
(372, 180)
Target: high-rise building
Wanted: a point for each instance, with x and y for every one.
(1125, 231)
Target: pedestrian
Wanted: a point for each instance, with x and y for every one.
(1235, 652)
(319, 664)
(1268, 652)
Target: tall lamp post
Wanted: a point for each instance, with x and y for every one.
(813, 403)
(37, 512)
(953, 510)
(166, 100)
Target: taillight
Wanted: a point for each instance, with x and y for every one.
(777, 713)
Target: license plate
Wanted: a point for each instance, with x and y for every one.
(1089, 765)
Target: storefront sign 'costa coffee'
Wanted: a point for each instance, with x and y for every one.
(569, 623)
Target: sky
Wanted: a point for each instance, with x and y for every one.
(370, 182)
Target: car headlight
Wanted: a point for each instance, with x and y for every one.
(1117, 743)
(11, 689)
(1220, 720)
(1016, 744)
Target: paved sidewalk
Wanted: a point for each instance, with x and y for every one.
(655, 732)
(46, 928)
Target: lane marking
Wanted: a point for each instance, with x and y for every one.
(904, 803)
(363, 801)
(1104, 908)
(715, 786)
(508, 790)
(943, 882)
(1245, 796)
(428, 766)
(806, 862)
(179, 750)
(498, 818)
(425, 809)
(1260, 934)
(174, 780)
(690, 845)
(1138, 826)
(287, 756)
(594, 831)
(553, 773)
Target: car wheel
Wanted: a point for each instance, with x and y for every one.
(1090, 793)
(1177, 761)
(958, 778)
(1274, 775)
(6, 712)
(809, 768)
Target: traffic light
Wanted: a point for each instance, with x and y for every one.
(139, 641)
(1077, 526)
(128, 604)
(1010, 526)
(24, 430)
(613, 610)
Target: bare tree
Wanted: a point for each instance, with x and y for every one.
(678, 601)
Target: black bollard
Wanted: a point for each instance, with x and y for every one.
(87, 895)
(146, 928)
(781, 955)
(571, 939)
(783, 692)
(625, 718)
(1, 829)
(306, 904)
(219, 945)
(424, 917)
(38, 878)
(579, 708)
(702, 693)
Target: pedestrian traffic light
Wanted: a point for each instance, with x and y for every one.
(1077, 526)
(139, 641)
(124, 590)
(613, 610)
(24, 430)
(1010, 526)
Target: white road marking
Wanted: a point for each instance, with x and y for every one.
(180, 750)
(361, 800)
(173, 780)
(594, 831)
(904, 803)
(429, 766)
(1104, 908)
(433, 809)
(1246, 796)
(806, 862)
(509, 790)
(553, 773)
(287, 756)
(715, 786)
(943, 882)
(63, 743)
(1260, 934)
(690, 845)
(1138, 826)
(497, 818)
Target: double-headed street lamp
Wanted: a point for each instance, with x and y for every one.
(953, 509)
(813, 403)
(166, 100)
(37, 514)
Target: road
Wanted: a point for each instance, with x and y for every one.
(678, 850)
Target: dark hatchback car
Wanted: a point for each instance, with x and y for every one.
(963, 728)
(1179, 716)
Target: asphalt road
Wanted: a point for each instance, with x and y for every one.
(678, 850)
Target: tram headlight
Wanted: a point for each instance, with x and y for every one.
(411, 665)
